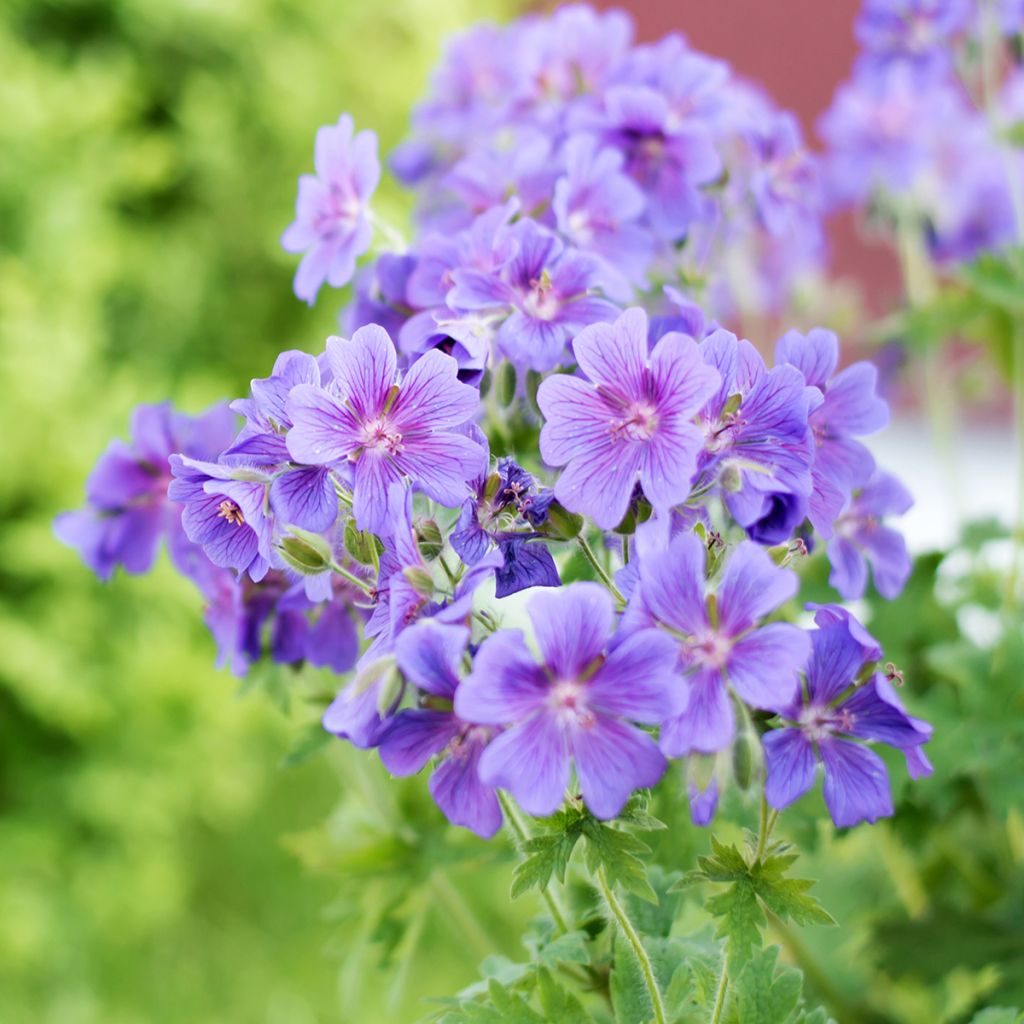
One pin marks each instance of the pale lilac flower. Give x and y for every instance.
(331, 223)
(727, 649)
(575, 707)
(389, 428)
(630, 419)
(430, 656)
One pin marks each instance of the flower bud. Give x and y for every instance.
(429, 539)
(747, 759)
(307, 553)
(505, 384)
(421, 580)
(362, 545)
(562, 524)
(731, 480)
(533, 379)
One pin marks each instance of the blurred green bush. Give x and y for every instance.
(150, 156)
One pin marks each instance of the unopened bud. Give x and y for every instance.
(731, 479)
(307, 553)
(505, 384)
(561, 524)
(421, 580)
(747, 759)
(429, 539)
(533, 379)
(362, 545)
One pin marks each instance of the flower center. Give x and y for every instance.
(230, 511)
(568, 699)
(819, 722)
(639, 423)
(381, 435)
(541, 302)
(711, 651)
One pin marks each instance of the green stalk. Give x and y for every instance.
(522, 833)
(723, 984)
(365, 587)
(631, 936)
(588, 553)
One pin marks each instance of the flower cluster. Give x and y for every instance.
(356, 517)
(923, 139)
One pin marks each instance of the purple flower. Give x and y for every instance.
(389, 430)
(225, 513)
(239, 612)
(851, 408)
(785, 182)
(574, 707)
(757, 445)
(399, 601)
(505, 505)
(331, 225)
(127, 509)
(302, 496)
(598, 208)
(380, 294)
(631, 418)
(669, 156)
(721, 649)
(827, 716)
(430, 655)
(544, 291)
(861, 539)
(916, 31)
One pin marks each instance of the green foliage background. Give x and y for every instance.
(150, 155)
(161, 857)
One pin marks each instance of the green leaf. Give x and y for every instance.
(619, 854)
(761, 994)
(998, 1015)
(570, 948)
(559, 1004)
(548, 852)
(503, 1007)
(741, 918)
(788, 897)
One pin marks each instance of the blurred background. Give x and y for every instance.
(163, 853)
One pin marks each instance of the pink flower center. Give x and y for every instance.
(711, 651)
(568, 700)
(381, 435)
(818, 722)
(639, 423)
(541, 302)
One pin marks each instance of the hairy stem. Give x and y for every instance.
(588, 553)
(723, 984)
(522, 833)
(350, 577)
(631, 936)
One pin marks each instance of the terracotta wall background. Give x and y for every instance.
(799, 50)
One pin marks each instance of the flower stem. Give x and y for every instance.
(764, 831)
(522, 833)
(723, 984)
(352, 578)
(588, 553)
(631, 936)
